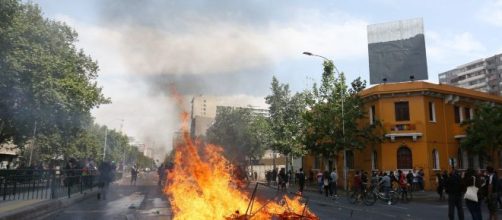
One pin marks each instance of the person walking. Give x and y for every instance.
(491, 197)
(474, 207)
(134, 174)
(326, 180)
(301, 181)
(334, 179)
(105, 177)
(440, 185)
(319, 181)
(454, 189)
(283, 180)
(385, 182)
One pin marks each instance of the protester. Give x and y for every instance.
(105, 177)
(474, 207)
(319, 181)
(301, 180)
(326, 180)
(454, 188)
(283, 179)
(420, 179)
(403, 184)
(134, 174)
(385, 182)
(334, 179)
(160, 172)
(440, 185)
(491, 197)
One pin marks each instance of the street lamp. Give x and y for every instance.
(343, 115)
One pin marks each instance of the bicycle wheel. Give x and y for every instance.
(352, 196)
(370, 198)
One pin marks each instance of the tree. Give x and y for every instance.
(484, 131)
(44, 79)
(240, 132)
(333, 121)
(286, 120)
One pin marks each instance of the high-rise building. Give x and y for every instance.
(483, 75)
(203, 114)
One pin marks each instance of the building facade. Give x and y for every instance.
(483, 75)
(422, 128)
(202, 115)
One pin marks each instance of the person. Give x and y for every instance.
(134, 174)
(420, 179)
(403, 183)
(326, 179)
(454, 189)
(357, 182)
(474, 207)
(301, 180)
(409, 178)
(105, 177)
(334, 179)
(319, 181)
(440, 188)
(491, 197)
(385, 182)
(160, 172)
(283, 179)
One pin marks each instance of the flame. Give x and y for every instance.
(200, 186)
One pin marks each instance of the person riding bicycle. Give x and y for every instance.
(386, 184)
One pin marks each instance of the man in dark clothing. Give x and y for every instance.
(491, 198)
(454, 188)
(105, 177)
(301, 180)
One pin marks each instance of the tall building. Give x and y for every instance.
(203, 114)
(483, 75)
(422, 129)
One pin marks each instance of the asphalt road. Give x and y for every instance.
(143, 201)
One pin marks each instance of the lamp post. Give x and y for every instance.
(343, 115)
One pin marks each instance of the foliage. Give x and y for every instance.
(240, 132)
(332, 123)
(44, 79)
(286, 120)
(484, 130)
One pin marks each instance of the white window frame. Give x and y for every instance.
(433, 111)
(461, 112)
(435, 160)
(371, 114)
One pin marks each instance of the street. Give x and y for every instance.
(146, 202)
(143, 201)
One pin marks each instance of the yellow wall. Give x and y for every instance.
(438, 135)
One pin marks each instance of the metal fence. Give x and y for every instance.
(45, 184)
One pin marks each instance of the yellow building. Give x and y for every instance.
(422, 126)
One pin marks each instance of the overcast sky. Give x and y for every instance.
(233, 48)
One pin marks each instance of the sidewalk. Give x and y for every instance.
(38, 209)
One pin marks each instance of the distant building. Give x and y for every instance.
(203, 114)
(8, 156)
(482, 75)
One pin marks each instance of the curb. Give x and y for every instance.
(44, 209)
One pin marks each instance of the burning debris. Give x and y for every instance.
(200, 187)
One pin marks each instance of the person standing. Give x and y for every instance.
(334, 179)
(454, 189)
(386, 184)
(474, 207)
(440, 188)
(134, 174)
(105, 177)
(326, 180)
(491, 197)
(301, 180)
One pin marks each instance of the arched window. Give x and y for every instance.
(374, 160)
(435, 159)
(404, 158)
(350, 159)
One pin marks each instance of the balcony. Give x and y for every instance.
(403, 127)
(403, 130)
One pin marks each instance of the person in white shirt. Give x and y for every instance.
(334, 178)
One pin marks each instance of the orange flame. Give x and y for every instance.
(200, 186)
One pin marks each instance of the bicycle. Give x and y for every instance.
(375, 195)
(404, 194)
(357, 196)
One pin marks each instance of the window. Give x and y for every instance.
(402, 111)
(435, 159)
(456, 111)
(372, 114)
(404, 158)
(374, 160)
(432, 112)
(349, 159)
(467, 113)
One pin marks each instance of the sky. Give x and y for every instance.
(231, 49)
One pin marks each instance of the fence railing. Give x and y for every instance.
(45, 184)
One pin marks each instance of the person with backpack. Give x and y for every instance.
(474, 207)
(455, 188)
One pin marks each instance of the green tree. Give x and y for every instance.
(286, 120)
(240, 132)
(333, 121)
(44, 79)
(484, 131)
